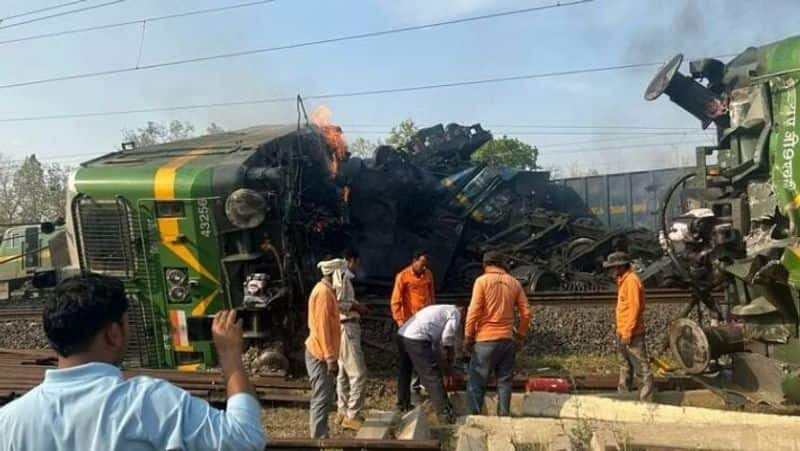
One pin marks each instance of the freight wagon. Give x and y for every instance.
(631, 199)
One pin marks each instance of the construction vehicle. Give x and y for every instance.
(742, 235)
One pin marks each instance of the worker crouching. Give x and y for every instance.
(489, 334)
(632, 351)
(422, 339)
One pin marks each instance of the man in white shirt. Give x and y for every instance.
(422, 338)
(352, 378)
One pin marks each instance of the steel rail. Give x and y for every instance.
(345, 443)
(25, 313)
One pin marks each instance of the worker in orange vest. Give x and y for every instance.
(631, 348)
(413, 290)
(489, 333)
(322, 348)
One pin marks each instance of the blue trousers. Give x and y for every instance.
(496, 356)
(323, 387)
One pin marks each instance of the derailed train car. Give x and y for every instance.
(230, 220)
(239, 219)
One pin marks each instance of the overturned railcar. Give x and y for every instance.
(234, 220)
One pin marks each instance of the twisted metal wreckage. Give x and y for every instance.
(429, 194)
(239, 220)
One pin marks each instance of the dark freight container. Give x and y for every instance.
(631, 199)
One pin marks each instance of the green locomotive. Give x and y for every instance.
(24, 252)
(233, 220)
(746, 240)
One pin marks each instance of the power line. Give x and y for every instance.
(610, 127)
(626, 147)
(548, 146)
(292, 46)
(41, 10)
(550, 133)
(135, 22)
(568, 152)
(64, 13)
(325, 96)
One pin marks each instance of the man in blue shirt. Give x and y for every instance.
(85, 404)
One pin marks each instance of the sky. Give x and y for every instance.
(594, 34)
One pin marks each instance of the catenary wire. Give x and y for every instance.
(288, 46)
(41, 10)
(61, 14)
(135, 21)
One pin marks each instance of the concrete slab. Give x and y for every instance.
(560, 443)
(553, 405)
(459, 401)
(413, 426)
(690, 398)
(603, 440)
(377, 424)
(554, 434)
(471, 439)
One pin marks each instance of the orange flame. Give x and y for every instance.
(321, 117)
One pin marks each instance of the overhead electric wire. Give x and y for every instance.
(547, 146)
(290, 46)
(625, 147)
(541, 151)
(136, 21)
(611, 127)
(61, 14)
(551, 133)
(328, 95)
(41, 10)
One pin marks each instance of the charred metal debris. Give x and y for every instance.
(429, 194)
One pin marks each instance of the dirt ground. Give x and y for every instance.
(283, 422)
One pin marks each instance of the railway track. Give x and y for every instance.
(546, 298)
(20, 314)
(21, 370)
(576, 298)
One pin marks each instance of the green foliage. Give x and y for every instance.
(402, 133)
(509, 152)
(155, 133)
(31, 191)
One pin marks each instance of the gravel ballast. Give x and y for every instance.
(555, 330)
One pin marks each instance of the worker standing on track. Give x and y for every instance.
(352, 377)
(322, 348)
(413, 290)
(489, 334)
(632, 351)
(422, 339)
(85, 404)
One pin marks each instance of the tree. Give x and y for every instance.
(31, 191)
(214, 129)
(56, 179)
(155, 133)
(9, 202)
(507, 151)
(402, 133)
(363, 148)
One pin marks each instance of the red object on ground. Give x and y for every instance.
(547, 384)
(453, 381)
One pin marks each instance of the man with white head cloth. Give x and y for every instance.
(322, 347)
(352, 377)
